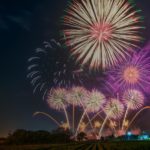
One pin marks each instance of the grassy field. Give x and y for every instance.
(129, 145)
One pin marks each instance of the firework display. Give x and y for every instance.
(101, 38)
(94, 102)
(101, 33)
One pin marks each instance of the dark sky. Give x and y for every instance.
(24, 25)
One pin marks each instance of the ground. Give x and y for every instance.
(118, 145)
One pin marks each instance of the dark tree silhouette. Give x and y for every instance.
(38, 137)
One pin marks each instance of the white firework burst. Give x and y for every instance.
(95, 101)
(101, 33)
(77, 95)
(114, 109)
(56, 99)
(133, 99)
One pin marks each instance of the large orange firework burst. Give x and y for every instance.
(101, 33)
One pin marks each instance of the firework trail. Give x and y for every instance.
(75, 97)
(59, 99)
(101, 33)
(136, 115)
(47, 115)
(51, 66)
(56, 99)
(92, 104)
(113, 109)
(97, 114)
(133, 100)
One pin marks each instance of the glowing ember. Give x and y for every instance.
(97, 124)
(82, 127)
(65, 126)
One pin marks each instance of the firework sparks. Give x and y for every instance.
(95, 101)
(77, 95)
(101, 33)
(114, 109)
(56, 98)
(133, 99)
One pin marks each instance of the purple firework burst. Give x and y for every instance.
(134, 73)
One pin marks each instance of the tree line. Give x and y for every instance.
(21, 136)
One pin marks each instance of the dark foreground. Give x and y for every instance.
(127, 145)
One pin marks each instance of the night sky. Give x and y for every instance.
(24, 25)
